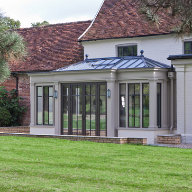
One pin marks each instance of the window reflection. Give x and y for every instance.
(122, 115)
(134, 105)
(145, 105)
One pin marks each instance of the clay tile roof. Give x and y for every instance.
(51, 47)
(122, 18)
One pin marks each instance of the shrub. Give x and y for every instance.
(5, 117)
(11, 102)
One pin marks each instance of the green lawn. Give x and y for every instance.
(37, 164)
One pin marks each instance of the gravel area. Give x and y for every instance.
(185, 146)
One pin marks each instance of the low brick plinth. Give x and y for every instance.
(117, 140)
(169, 139)
(142, 141)
(18, 129)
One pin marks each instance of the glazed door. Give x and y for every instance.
(90, 109)
(84, 109)
(76, 110)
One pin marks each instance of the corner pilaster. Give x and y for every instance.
(112, 104)
(57, 109)
(153, 103)
(32, 100)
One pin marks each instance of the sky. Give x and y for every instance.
(53, 11)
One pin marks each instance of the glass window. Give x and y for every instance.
(127, 51)
(102, 111)
(134, 105)
(39, 105)
(122, 97)
(159, 104)
(145, 107)
(188, 47)
(45, 105)
(135, 108)
(65, 109)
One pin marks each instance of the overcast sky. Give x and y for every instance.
(53, 11)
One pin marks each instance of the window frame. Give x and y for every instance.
(43, 105)
(141, 104)
(128, 86)
(127, 46)
(159, 105)
(190, 50)
(121, 110)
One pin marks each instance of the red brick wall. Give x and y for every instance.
(23, 91)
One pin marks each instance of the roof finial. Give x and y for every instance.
(142, 53)
(86, 56)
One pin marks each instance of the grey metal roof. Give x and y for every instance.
(114, 63)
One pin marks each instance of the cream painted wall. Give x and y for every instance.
(42, 130)
(184, 92)
(155, 47)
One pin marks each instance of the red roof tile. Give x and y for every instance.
(122, 18)
(51, 47)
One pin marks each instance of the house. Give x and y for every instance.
(49, 47)
(117, 90)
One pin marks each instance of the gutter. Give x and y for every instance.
(125, 37)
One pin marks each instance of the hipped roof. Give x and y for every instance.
(117, 63)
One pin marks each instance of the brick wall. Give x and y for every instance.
(169, 139)
(116, 140)
(19, 129)
(23, 91)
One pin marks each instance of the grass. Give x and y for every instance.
(39, 164)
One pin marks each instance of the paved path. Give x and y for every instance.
(186, 146)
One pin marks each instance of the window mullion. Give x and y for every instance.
(141, 105)
(134, 105)
(43, 105)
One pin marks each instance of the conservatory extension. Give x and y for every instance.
(114, 97)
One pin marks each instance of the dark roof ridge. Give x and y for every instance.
(50, 25)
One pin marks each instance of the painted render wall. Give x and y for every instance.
(155, 47)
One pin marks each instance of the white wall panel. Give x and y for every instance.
(155, 47)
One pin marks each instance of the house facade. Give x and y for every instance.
(124, 87)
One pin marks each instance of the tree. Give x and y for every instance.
(37, 24)
(177, 9)
(12, 47)
(8, 23)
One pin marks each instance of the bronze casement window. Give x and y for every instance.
(134, 105)
(122, 105)
(159, 104)
(124, 51)
(188, 47)
(44, 105)
(145, 107)
(136, 111)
